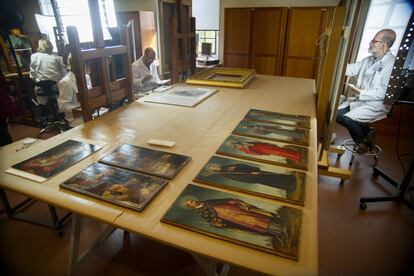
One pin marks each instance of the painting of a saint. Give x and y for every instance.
(278, 118)
(254, 178)
(140, 159)
(115, 185)
(273, 132)
(246, 221)
(254, 149)
(56, 159)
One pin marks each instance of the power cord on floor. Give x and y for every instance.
(410, 192)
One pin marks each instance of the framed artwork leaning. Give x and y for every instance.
(259, 179)
(264, 151)
(181, 95)
(224, 77)
(238, 219)
(53, 161)
(23, 48)
(273, 132)
(115, 185)
(278, 118)
(146, 160)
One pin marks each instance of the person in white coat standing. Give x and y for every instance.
(373, 74)
(144, 71)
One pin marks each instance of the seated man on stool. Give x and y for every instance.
(45, 66)
(373, 74)
(144, 71)
(68, 91)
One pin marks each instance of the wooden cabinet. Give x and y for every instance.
(268, 31)
(237, 38)
(144, 30)
(274, 41)
(304, 27)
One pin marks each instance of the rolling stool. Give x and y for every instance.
(51, 117)
(351, 146)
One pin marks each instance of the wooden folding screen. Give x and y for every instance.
(107, 92)
(183, 44)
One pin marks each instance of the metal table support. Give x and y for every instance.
(74, 258)
(17, 212)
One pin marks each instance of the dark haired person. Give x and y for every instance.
(373, 74)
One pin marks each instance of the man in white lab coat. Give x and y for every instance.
(373, 74)
(144, 72)
(44, 65)
(68, 91)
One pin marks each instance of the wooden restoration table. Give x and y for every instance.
(198, 132)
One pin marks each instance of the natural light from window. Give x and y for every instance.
(76, 13)
(385, 14)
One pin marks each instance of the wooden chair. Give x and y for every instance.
(108, 92)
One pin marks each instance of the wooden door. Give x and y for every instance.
(123, 18)
(267, 40)
(237, 37)
(148, 30)
(305, 25)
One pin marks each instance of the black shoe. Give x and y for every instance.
(362, 148)
(370, 140)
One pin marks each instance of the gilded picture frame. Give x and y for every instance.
(223, 77)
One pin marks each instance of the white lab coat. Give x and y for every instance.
(67, 94)
(373, 78)
(46, 67)
(139, 71)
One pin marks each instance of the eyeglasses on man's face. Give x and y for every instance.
(375, 41)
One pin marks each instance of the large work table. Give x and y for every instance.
(198, 132)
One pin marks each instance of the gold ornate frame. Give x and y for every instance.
(224, 77)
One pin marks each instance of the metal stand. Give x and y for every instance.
(16, 212)
(351, 146)
(61, 126)
(74, 258)
(209, 266)
(401, 189)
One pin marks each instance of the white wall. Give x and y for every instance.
(134, 5)
(206, 14)
(266, 3)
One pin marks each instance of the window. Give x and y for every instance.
(207, 24)
(76, 13)
(385, 14)
(209, 36)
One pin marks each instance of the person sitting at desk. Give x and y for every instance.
(68, 91)
(144, 71)
(373, 74)
(44, 65)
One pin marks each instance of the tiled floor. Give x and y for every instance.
(376, 241)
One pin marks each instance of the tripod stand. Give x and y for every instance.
(402, 187)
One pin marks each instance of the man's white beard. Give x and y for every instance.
(370, 50)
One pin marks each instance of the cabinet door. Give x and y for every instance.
(123, 18)
(305, 25)
(267, 42)
(237, 37)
